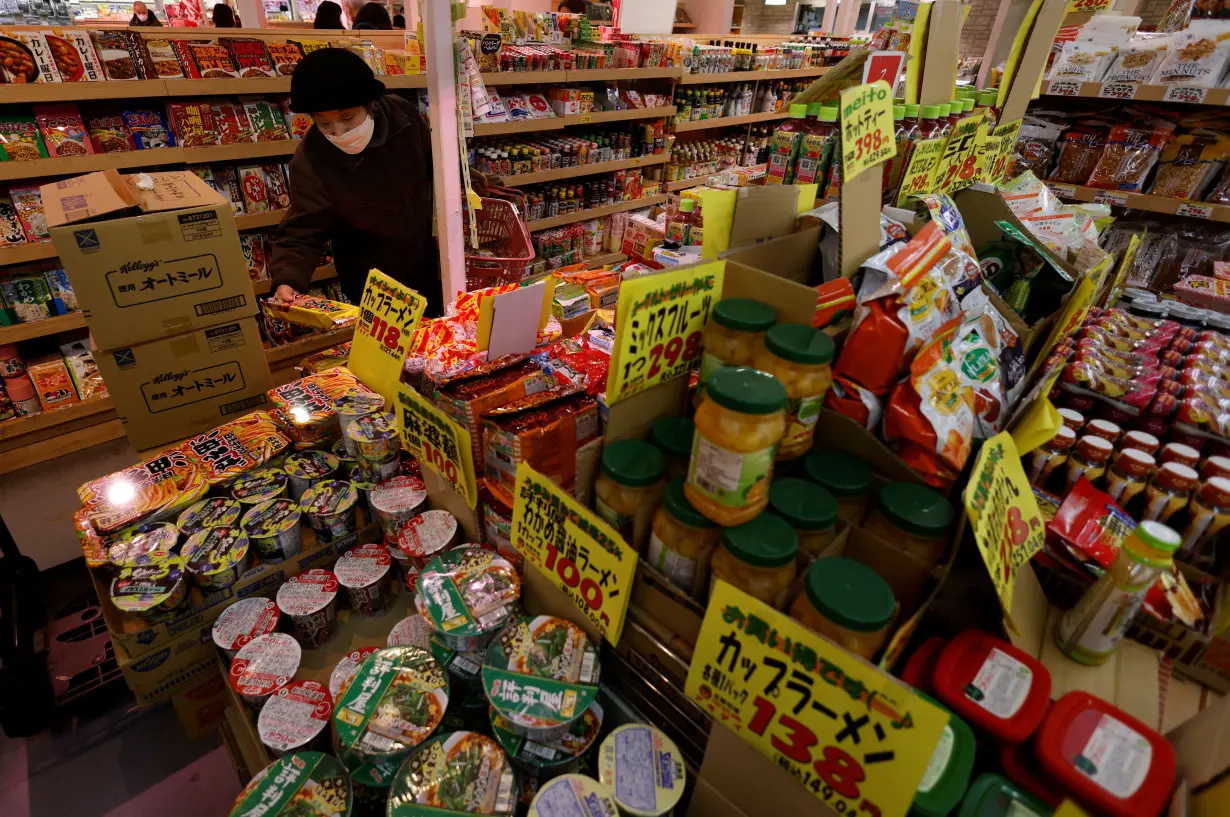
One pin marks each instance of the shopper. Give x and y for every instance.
(142, 16)
(350, 11)
(328, 15)
(572, 6)
(223, 16)
(373, 16)
(399, 21)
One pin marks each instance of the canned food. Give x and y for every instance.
(467, 596)
(295, 717)
(548, 760)
(459, 772)
(208, 513)
(150, 586)
(153, 537)
(350, 407)
(309, 600)
(427, 535)
(330, 508)
(260, 486)
(243, 621)
(215, 557)
(396, 501)
(465, 669)
(364, 572)
(263, 666)
(643, 769)
(573, 794)
(346, 669)
(412, 631)
(273, 530)
(294, 782)
(541, 674)
(306, 468)
(374, 436)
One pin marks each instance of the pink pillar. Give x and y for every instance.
(446, 161)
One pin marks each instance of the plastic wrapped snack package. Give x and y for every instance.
(1081, 61)
(311, 780)
(467, 594)
(1036, 144)
(1136, 64)
(455, 773)
(304, 408)
(316, 313)
(1129, 157)
(1197, 57)
(1189, 163)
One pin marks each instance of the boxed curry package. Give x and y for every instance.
(73, 52)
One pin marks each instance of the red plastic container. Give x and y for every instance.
(1019, 763)
(921, 666)
(993, 685)
(1108, 760)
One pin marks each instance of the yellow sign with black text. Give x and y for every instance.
(866, 128)
(388, 315)
(958, 166)
(920, 172)
(581, 555)
(437, 440)
(857, 738)
(1000, 152)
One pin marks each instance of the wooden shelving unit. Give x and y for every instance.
(82, 91)
(305, 346)
(225, 87)
(725, 121)
(618, 74)
(598, 117)
(522, 179)
(21, 253)
(255, 221)
(1143, 201)
(684, 184)
(75, 165)
(751, 76)
(524, 77)
(596, 212)
(240, 152)
(41, 329)
(321, 274)
(523, 126)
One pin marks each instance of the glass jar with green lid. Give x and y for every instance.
(810, 510)
(673, 436)
(799, 356)
(738, 426)
(628, 488)
(993, 796)
(844, 476)
(846, 602)
(733, 335)
(758, 557)
(947, 776)
(913, 518)
(682, 540)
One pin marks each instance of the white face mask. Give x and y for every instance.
(143, 17)
(354, 140)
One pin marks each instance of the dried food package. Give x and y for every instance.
(62, 294)
(74, 55)
(27, 295)
(1220, 194)
(213, 61)
(1136, 64)
(254, 254)
(1156, 258)
(1081, 61)
(277, 190)
(1189, 163)
(149, 129)
(255, 189)
(1079, 151)
(109, 132)
(297, 123)
(1128, 158)
(285, 57)
(193, 123)
(160, 57)
(228, 186)
(29, 204)
(249, 55)
(10, 225)
(19, 136)
(184, 55)
(1196, 57)
(112, 49)
(267, 121)
(233, 125)
(27, 58)
(63, 131)
(1036, 144)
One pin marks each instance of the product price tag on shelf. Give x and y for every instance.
(586, 118)
(1184, 93)
(1204, 211)
(958, 165)
(437, 440)
(1000, 151)
(576, 550)
(1108, 197)
(918, 176)
(858, 739)
(1117, 90)
(1064, 88)
(1078, 6)
(866, 128)
(388, 315)
(1064, 191)
(658, 324)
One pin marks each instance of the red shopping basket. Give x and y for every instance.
(504, 247)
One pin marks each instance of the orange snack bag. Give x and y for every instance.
(304, 408)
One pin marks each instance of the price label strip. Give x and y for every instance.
(388, 315)
(436, 439)
(919, 177)
(958, 165)
(578, 552)
(1064, 88)
(856, 738)
(1204, 211)
(1000, 149)
(1079, 6)
(1107, 197)
(866, 128)
(1117, 90)
(1180, 93)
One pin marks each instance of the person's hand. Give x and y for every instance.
(285, 294)
(481, 182)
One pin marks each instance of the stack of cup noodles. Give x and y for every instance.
(467, 594)
(412, 631)
(263, 666)
(421, 539)
(315, 780)
(307, 468)
(151, 586)
(351, 407)
(260, 486)
(366, 574)
(396, 501)
(347, 667)
(376, 444)
(309, 603)
(640, 752)
(304, 408)
(208, 513)
(273, 529)
(296, 718)
(216, 557)
(543, 761)
(242, 622)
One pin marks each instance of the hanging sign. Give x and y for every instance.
(388, 315)
(866, 128)
(958, 166)
(437, 440)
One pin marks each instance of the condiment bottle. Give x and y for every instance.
(1178, 452)
(1143, 441)
(1215, 467)
(679, 229)
(929, 126)
(1088, 461)
(1089, 631)
(1050, 455)
(1207, 515)
(816, 151)
(1168, 491)
(1128, 475)
(1072, 418)
(1103, 428)
(898, 132)
(784, 149)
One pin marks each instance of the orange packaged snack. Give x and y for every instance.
(52, 382)
(304, 408)
(1128, 158)
(152, 491)
(237, 447)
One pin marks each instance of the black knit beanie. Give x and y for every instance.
(330, 79)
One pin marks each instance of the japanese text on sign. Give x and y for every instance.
(1000, 151)
(856, 738)
(866, 128)
(958, 166)
(388, 315)
(1078, 6)
(435, 439)
(658, 325)
(917, 179)
(1003, 513)
(576, 550)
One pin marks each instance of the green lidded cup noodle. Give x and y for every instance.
(467, 595)
(541, 674)
(573, 794)
(208, 513)
(465, 669)
(151, 586)
(330, 507)
(273, 529)
(259, 486)
(305, 468)
(301, 783)
(546, 760)
(216, 556)
(153, 537)
(643, 768)
(454, 773)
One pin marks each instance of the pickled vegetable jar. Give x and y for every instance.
(848, 603)
(733, 335)
(798, 356)
(673, 436)
(682, 541)
(758, 557)
(738, 426)
(810, 510)
(629, 487)
(913, 518)
(846, 477)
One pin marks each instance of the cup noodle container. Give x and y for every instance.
(346, 669)
(412, 631)
(243, 621)
(643, 769)
(407, 568)
(351, 407)
(154, 537)
(377, 471)
(296, 718)
(366, 574)
(309, 602)
(215, 557)
(373, 437)
(152, 586)
(443, 760)
(306, 468)
(573, 794)
(427, 535)
(311, 778)
(208, 513)
(396, 501)
(264, 665)
(260, 486)
(330, 509)
(273, 530)
(547, 760)
(467, 595)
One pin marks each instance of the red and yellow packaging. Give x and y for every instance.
(316, 313)
(303, 408)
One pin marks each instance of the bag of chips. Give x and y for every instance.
(1189, 163)
(1197, 57)
(1129, 157)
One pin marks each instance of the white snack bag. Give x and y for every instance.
(1081, 61)
(1137, 63)
(1197, 58)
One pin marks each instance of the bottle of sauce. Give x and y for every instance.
(941, 117)
(1128, 475)
(929, 126)
(954, 113)
(1072, 418)
(1143, 441)
(1044, 460)
(784, 148)
(679, 230)
(1178, 452)
(888, 185)
(698, 227)
(907, 134)
(816, 151)
(1088, 461)
(1207, 515)
(986, 100)
(1169, 491)
(1105, 429)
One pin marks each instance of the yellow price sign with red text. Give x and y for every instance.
(1086, 6)
(866, 128)
(388, 315)
(1000, 152)
(437, 440)
(958, 166)
(920, 172)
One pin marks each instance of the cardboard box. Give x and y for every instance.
(173, 667)
(202, 706)
(148, 263)
(173, 388)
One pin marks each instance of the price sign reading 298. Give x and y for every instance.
(854, 737)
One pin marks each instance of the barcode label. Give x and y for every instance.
(493, 618)
(466, 665)
(503, 798)
(378, 743)
(237, 406)
(538, 750)
(587, 667)
(220, 305)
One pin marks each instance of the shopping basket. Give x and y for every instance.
(504, 247)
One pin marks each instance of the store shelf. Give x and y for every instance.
(598, 117)
(25, 426)
(753, 76)
(523, 126)
(321, 274)
(1142, 93)
(584, 170)
(239, 152)
(727, 121)
(226, 87)
(255, 221)
(1143, 201)
(21, 253)
(608, 74)
(291, 352)
(684, 184)
(524, 77)
(74, 165)
(605, 258)
(73, 91)
(64, 438)
(41, 329)
(404, 81)
(595, 212)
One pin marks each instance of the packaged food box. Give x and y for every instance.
(63, 131)
(255, 190)
(212, 61)
(118, 62)
(193, 123)
(297, 123)
(83, 370)
(233, 125)
(249, 56)
(62, 296)
(73, 53)
(267, 122)
(10, 225)
(149, 129)
(109, 132)
(52, 382)
(277, 188)
(19, 136)
(227, 183)
(254, 254)
(304, 408)
(27, 58)
(160, 57)
(27, 296)
(285, 57)
(29, 205)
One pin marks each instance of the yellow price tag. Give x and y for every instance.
(587, 118)
(658, 324)
(437, 440)
(919, 173)
(1126, 262)
(857, 738)
(1068, 808)
(388, 315)
(1003, 513)
(866, 128)
(1040, 420)
(1086, 6)
(581, 554)
(1073, 315)
(958, 166)
(1001, 145)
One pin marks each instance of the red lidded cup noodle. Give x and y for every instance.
(346, 669)
(296, 717)
(243, 621)
(426, 535)
(309, 600)
(263, 666)
(396, 501)
(365, 573)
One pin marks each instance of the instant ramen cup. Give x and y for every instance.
(208, 513)
(365, 572)
(459, 773)
(547, 760)
(330, 509)
(300, 783)
(377, 471)
(540, 675)
(427, 535)
(632, 757)
(150, 586)
(263, 666)
(296, 717)
(216, 556)
(346, 669)
(412, 631)
(273, 530)
(243, 621)
(467, 595)
(465, 669)
(306, 468)
(260, 486)
(396, 501)
(573, 794)
(351, 407)
(153, 537)
(309, 600)
(374, 436)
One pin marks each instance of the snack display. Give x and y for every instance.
(459, 772)
(215, 556)
(364, 572)
(208, 513)
(308, 468)
(296, 717)
(243, 621)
